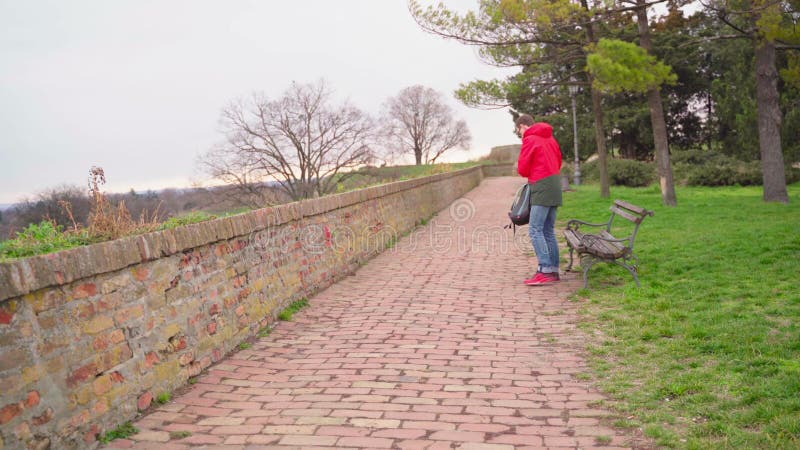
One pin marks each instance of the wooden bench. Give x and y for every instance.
(601, 245)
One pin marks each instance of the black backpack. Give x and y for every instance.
(520, 212)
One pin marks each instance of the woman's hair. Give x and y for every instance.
(524, 119)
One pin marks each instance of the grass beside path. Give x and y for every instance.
(706, 354)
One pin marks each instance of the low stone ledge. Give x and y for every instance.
(23, 276)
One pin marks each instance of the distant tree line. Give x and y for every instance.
(66, 203)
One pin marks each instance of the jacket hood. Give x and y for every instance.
(541, 129)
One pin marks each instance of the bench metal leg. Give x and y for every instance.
(630, 268)
(570, 259)
(630, 263)
(587, 261)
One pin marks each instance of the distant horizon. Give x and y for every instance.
(6, 205)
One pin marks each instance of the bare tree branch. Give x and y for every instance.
(420, 123)
(298, 142)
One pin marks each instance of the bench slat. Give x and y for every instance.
(626, 215)
(573, 238)
(631, 207)
(611, 249)
(598, 247)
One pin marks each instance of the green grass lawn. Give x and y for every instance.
(706, 354)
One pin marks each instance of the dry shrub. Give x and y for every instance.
(441, 168)
(109, 221)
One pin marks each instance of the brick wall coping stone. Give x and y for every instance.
(23, 276)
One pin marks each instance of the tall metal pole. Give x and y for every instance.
(577, 180)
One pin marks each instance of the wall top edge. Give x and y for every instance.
(22, 276)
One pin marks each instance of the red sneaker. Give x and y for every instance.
(542, 278)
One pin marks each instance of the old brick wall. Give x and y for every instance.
(90, 335)
(501, 170)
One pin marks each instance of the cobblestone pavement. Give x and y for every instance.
(434, 344)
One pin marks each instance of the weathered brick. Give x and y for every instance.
(151, 436)
(289, 429)
(177, 343)
(399, 433)
(100, 407)
(6, 315)
(101, 342)
(12, 358)
(463, 436)
(308, 440)
(44, 300)
(114, 356)
(117, 377)
(97, 324)
(375, 423)
(102, 384)
(9, 412)
(43, 418)
(186, 358)
(32, 400)
(86, 310)
(23, 431)
(140, 273)
(82, 374)
(150, 359)
(124, 315)
(237, 429)
(144, 400)
(80, 418)
(84, 290)
(368, 442)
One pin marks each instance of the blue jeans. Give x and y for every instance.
(543, 237)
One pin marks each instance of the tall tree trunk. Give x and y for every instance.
(600, 139)
(418, 156)
(597, 112)
(769, 124)
(657, 117)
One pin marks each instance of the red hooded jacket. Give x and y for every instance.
(540, 155)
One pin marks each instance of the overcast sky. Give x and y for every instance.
(136, 86)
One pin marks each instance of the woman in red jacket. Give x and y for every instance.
(540, 162)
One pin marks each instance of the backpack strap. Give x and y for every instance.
(511, 225)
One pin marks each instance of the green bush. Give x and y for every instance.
(722, 173)
(45, 237)
(792, 175)
(621, 172)
(710, 168)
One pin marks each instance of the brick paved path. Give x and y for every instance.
(434, 344)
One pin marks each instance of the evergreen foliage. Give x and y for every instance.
(620, 66)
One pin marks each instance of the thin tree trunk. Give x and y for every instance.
(597, 113)
(600, 139)
(662, 148)
(769, 124)
(657, 117)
